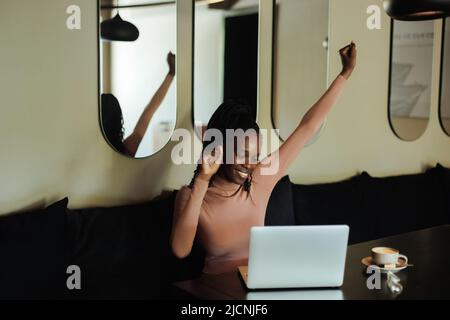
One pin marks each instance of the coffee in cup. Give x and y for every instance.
(387, 257)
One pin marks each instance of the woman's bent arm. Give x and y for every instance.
(188, 204)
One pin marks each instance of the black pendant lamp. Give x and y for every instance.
(413, 10)
(117, 29)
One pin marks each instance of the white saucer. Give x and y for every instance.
(401, 264)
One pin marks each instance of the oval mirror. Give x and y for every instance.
(137, 74)
(410, 77)
(444, 112)
(300, 61)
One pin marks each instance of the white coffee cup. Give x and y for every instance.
(386, 256)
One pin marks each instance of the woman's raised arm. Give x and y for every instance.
(311, 121)
(133, 141)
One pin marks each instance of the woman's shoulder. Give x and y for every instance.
(183, 194)
(185, 189)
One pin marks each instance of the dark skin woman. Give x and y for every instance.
(226, 198)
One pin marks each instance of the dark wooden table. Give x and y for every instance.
(429, 277)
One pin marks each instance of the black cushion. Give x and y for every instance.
(444, 174)
(376, 207)
(447, 187)
(405, 203)
(32, 254)
(280, 209)
(124, 252)
(334, 203)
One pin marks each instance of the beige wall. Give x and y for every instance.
(52, 145)
(357, 135)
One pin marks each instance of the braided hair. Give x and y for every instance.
(232, 114)
(112, 121)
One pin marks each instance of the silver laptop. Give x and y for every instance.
(296, 257)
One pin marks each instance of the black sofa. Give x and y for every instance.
(124, 253)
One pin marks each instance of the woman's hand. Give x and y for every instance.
(171, 63)
(210, 164)
(348, 58)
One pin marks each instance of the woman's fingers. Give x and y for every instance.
(211, 161)
(348, 59)
(215, 157)
(219, 153)
(347, 48)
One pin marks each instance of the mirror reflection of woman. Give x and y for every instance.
(224, 200)
(112, 118)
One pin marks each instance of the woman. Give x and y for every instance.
(224, 201)
(112, 119)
